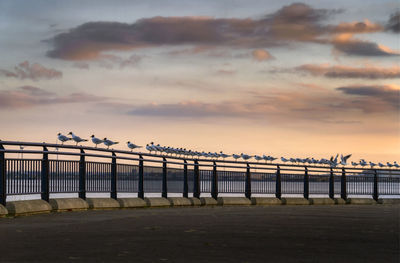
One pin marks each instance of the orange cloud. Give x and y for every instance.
(35, 71)
(261, 55)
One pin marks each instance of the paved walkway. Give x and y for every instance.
(206, 234)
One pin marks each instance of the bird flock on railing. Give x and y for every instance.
(180, 152)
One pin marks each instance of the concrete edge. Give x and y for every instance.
(233, 201)
(26, 207)
(180, 201)
(132, 202)
(361, 201)
(195, 201)
(157, 201)
(388, 201)
(68, 204)
(208, 201)
(103, 203)
(295, 201)
(322, 201)
(3, 211)
(266, 201)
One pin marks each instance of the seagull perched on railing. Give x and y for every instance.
(354, 164)
(108, 143)
(258, 158)
(343, 159)
(63, 138)
(235, 156)
(77, 139)
(95, 140)
(132, 145)
(245, 156)
(395, 164)
(283, 159)
(381, 165)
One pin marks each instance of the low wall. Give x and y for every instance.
(17, 208)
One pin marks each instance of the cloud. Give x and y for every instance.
(298, 22)
(350, 72)
(35, 71)
(358, 27)
(283, 106)
(29, 96)
(261, 55)
(394, 22)
(387, 94)
(81, 65)
(345, 43)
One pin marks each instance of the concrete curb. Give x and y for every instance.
(322, 201)
(361, 201)
(3, 211)
(233, 201)
(157, 202)
(208, 201)
(131, 202)
(266, 201)
(340, 201)
(102, 203)
(195, 201)
(28, 207)
(389, 201)
(68, 204)
(295, 201)
(179, 201)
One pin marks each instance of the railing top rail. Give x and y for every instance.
(227, 163)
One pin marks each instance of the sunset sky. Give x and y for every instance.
(282, 78)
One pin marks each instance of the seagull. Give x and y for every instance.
(283, 159)
(396, 164)
(245, 156)
(381, 165)
(108, 143)
(258, 158)
(389, 165)
(96, 140)
(363, 162)
(77, 139)
(235, 156)
(343, 159)
(133, 146)
(63, 138)
(372, 164)
(354, 164)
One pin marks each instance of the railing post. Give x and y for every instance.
(331, 185)
(164, 179)
(343, 190)
(114, 177)
(306, 193)
(185, 180)
(375, 194)
(45, 176)
(214, 184)
(82, 176)
(278, 188)
(247, 191)
(3, 181)
(196, 180)
(141, 177)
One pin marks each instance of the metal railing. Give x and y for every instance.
(116, 171)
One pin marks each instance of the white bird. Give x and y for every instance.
(381, 165)
(258, 158)
(245, 156)
(76, 138)
(223, 155)
(283, 159)
(389, 165)
(108, 143)
(95, 140)
(354, 164)
(363, 162)
(372, 164)
(63, 138)
(235, 156)
(396, 164)
(132, 145)
(343, 159)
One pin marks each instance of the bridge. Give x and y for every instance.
(29, 168)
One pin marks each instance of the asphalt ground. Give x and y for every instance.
(343, 233)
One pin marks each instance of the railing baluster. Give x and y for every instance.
(45, 175)
(3, 181)
(375, 194)
(82, 176)
(164, 179)
(343, 189)
(114, 176)
(331, 185)
(196, 180)
(278, 186)
(214, 184)
(306, 192)
(185, 180)
(247, 190)
(140, 182)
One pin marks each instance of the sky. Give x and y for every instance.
(281, 78)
